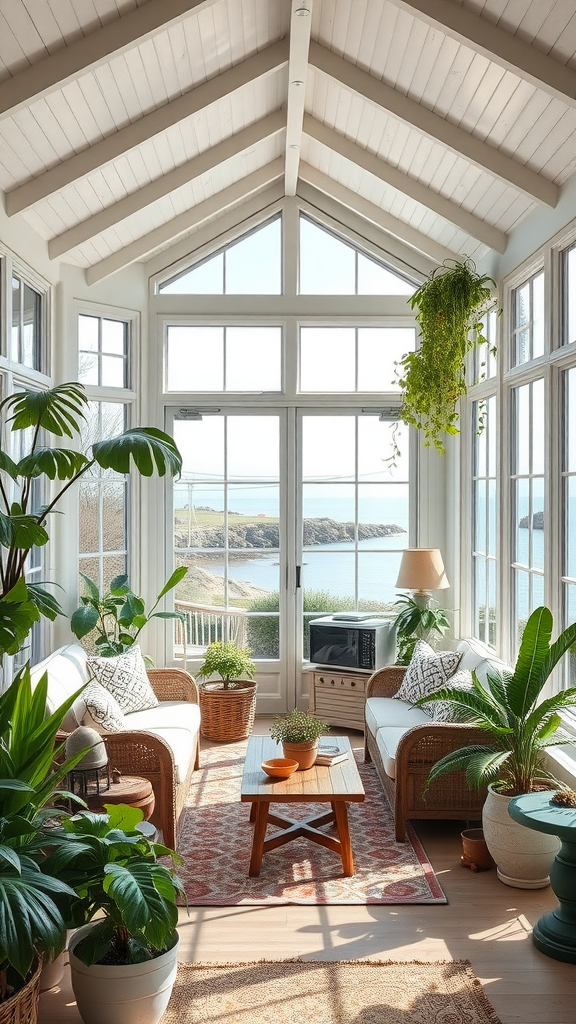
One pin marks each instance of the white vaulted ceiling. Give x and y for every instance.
(125, 124)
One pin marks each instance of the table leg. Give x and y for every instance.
(253, 811)
(341, 815)
(555, 933)
(262, 808)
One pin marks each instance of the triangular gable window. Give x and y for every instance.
(330, 266)
(251, 265)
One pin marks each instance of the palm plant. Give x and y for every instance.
(31, 772)
(58, 411)
(520, 726)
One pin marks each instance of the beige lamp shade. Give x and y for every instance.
(422, 569)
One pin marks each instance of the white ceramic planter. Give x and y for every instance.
(523, 857)
(53, 969)
(131, 994)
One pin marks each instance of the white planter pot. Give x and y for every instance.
(131, 994)
(523, 857)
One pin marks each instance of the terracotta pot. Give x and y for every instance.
(304, 753)
(475, 853)
(523, 857)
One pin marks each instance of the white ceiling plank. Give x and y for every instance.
(392, 225)
(425, 120)
(409, 186)
(509, 51)
(261, 64)
(166, 183)
(172, 229)
(88, 52)
(300, 25)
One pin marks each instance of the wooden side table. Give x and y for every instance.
(128, 790)
(555, 933)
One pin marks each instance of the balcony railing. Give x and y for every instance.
(204, 623)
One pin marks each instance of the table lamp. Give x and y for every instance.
(422, 570)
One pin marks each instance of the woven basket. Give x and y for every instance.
(22, 1008)
(227, 714)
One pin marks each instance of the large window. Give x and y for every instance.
(26, 339)
(204, 358)
(351, 359)
(569, 513)
(528, 522)
(484, 512)
(528, 313)
(102, 351)
(102, 501)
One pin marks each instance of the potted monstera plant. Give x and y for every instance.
(227, 706)
(520, 726)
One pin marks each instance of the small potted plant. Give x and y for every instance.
(228, 707)
(298, 732)
(519, 727)
(123, 964)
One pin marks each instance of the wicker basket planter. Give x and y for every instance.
(22, 1007)
(227, 714)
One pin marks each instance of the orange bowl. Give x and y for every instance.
(279, 767)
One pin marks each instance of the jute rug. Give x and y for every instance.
(337, 992)
(216, 839)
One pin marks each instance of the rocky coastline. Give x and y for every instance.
(265, 534)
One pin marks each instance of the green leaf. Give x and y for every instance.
(94, 946)
(58, 410)
(528, 680)
(55, 463)
(119, 586)
(149, 448)
(21, 531)
(174, 580)
(7, 465)
(91, 587)
(45, 602)
(83, 621)
(11, 857)
(17, 616)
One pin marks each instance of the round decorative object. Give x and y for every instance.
(279, 767)
(523, 858)
(122, 993)
(129, 790)
(229, 714)
(304, 753)
(83, 737)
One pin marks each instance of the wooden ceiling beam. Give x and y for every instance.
(497, 163)
(369, 211)
(220, 201)
(263, 63)
(68, 63)
(300, 25)
(166, 183)
(499, 46)
(420, 193)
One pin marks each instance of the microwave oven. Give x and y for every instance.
(352, 641)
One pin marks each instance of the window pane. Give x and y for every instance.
(379, 349)
(538, 316)
(198, 515)
(201, 443)
(522, 305)
(332, 575)
(254, 264)
(113, 372)
(376, 439)
(205, 279)
(377, 575)
(113, 512)
(522, 429)
(30, 339)
(374, 279)
(88, 332)
(538, 426)
(327, 359)
(327, 265)
(88, 368)
(253, 359)
(253, 516)
(114, 337)
(195, 358)
(570, 296)
(333, 502)
(89, 514)
(384, 515)
(253, 447)
(335, 460)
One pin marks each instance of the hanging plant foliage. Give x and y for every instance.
(450, 305)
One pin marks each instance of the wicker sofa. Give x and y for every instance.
(403, 742)
(161, 744)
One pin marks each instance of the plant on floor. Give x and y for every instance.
(231, 662)
(297, 727)
(520, 725)
(32, 770)
(58, 411)
(417, 620)
(118, 617)
(113, 868)
(450, 306)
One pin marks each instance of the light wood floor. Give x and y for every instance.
(485, 922)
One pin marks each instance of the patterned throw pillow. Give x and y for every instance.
(428, 671)
(98, 709)
(124, 676)
(442, 710)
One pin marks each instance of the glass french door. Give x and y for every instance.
(282, 516)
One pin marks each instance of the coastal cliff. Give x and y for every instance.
(263, 533)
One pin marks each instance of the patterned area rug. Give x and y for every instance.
(337, 992)
(216, 839)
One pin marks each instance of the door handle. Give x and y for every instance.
(298, 577)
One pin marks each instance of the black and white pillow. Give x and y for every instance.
(98, 709)
(443, 710)
(124, 676)
(428, 671)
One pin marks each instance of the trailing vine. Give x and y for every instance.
(450, 305)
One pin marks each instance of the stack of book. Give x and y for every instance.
(329, 754)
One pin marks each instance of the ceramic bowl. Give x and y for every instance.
(279, 767)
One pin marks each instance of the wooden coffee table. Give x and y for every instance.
(336, 786)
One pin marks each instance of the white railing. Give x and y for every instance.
(204, 623)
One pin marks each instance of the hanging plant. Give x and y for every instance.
(450, 305)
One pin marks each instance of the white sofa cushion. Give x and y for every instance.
(384, 711)
(177, 723)
(479, 658)
(67, 672)
(428, 671)
(98, 709)
(387, 740)
(124, 676)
